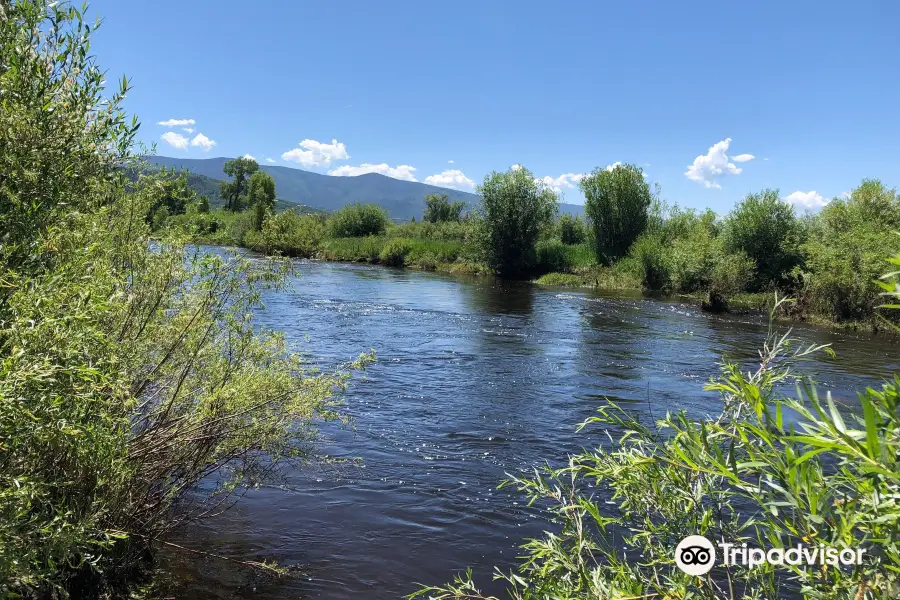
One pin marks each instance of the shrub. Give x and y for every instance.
(552, 256)
(394, 252)
(160, 216)
(238, 226)
(358, 220)
(55, 116)
(572, 230)
(731, 274)
(616, 204)
(766, 230)
(649, 255)
(839, 274)
(289, 234)
(691, 261)
(130, 372)
(843, 253)
(514, 208)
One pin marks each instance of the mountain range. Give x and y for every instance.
(401, 199)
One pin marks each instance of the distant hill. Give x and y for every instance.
(402, 199)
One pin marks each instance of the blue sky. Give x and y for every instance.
(809, 90)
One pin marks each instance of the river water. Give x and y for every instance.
(475, 378)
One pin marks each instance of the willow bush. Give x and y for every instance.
(617, 205)
(766, 229)
(136, 393)
(514, 210)
(358, 220)
(772, 470)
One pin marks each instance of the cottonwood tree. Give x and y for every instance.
(233, 191)
(261, 196)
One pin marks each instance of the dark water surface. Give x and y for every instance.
(475, 378)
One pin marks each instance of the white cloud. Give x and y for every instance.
(250, 156)
(270, 160)
(311, 153)
(845, 195)
(743, 158)
(203, 142)
(451, 161)
(712, 165)
(809, 200)
(564, 181)
(516, 167)
(451, 178)
(404, 172)
(177, 123)
(176, 140)
(188, 129)
(618, 163)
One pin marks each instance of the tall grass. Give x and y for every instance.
(392, 251)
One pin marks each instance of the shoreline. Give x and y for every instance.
(757, 303)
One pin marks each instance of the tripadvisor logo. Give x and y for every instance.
(696, 555)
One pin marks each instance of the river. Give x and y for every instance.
(475, 378)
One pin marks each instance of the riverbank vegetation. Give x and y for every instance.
(629, 239)
(136, 392)
(772, 472)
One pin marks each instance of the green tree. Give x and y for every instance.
(234, 191)
(261, 196)
(169, 190)
(439, 209)
(203, 205)
(514, 209)
(765, 229)
(842, 254)
(617, 202)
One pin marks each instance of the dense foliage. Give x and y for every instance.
(131, 372)
(617, 202)
(439, 209)
(767, 231)
(843, 252)
(572, 230)
(358, 220)
(261, 197)
(514, 209)
(234, 192)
